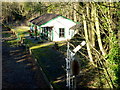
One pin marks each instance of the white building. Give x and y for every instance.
(53, 27)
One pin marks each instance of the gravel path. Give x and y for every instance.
(19, 69)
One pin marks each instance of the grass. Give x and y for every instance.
(47, 44)
(43, 45)
(12, 43)
(21, 30)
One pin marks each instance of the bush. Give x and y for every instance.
(114, 61)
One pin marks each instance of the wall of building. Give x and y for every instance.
(60, 22)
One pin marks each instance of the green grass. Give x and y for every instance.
(21, 30)
(42, 45)
(12, 42)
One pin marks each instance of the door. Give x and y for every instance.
(50, 33)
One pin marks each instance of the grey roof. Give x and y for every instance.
(43, 19)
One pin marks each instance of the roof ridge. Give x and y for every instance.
(44, 18)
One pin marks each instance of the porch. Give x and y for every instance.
(46, 33)
(40, 34)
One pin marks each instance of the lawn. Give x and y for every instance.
(22, 30)
(22, 33)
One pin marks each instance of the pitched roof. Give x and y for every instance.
(43, 19)
(77, 26)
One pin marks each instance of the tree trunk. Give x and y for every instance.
(87, 40)
(75, 16)
(92, 31)
(109, 20)
(98, 33)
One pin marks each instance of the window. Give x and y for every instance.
(61, 32)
